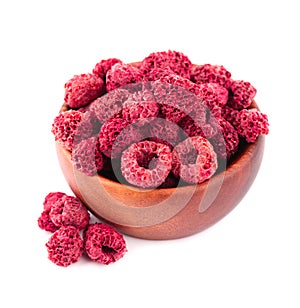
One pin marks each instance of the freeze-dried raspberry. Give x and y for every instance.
(165, 131)
(140, 95)
(156, 73)
(172, 113)
(65, 127)
(194, 160)
(241, 94)
(139, 112)
(121, 74)
(51, 198)
(214, 96)
(83, 89)
(210, 73)
(226, 142)
(103, 244)
(65, 246)
(69, 211)
(174, 60)
(146, 164)
(190, 128)
(251, 123)
(104, 66)
(230, 115)
(108, 105)
(45, 222)
(179, 81)
(86, 156)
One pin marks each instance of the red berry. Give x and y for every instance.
(104, 66)
(65, 246)
(146, 164)
(104, 244)
(45, 222)
(51, 198)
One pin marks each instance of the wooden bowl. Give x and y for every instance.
(166, 213)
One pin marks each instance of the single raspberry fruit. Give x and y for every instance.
(45, 222)
(86, 156)
(230, 115)
(121, 74)
(69, 211)
(179, 81)
(109, 105)
(241, 94)
(146, 164)
(83, 89)
(104, 66)
(226, 141)
(210, 73)
(174, 60)
(250, 123)
(65, 127)
(65, 246)
(194, 160)
(103, 244)
(51, 198)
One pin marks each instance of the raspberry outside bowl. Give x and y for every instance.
(166, 213)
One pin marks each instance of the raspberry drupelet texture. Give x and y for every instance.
(226, 141)
(109, 105)
(51, 198)
(69, 211)
(250, 123)
(65, 128)
(194, 160)
(156, 73)
(174, 60)
(45, 222)
(65, 246)
(230, 115)
(210, 73)
(86, 156)
(104, 66)
(83, 89)
(146, 164)
(189, 127)
(241, 94)
(103, 244)
(121, 74)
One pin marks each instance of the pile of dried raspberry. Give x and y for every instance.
(120, 110)
(65, 216)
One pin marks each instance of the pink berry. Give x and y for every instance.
(69, 211)
(190, 127)
(156, 73)
(86, 156)
(121, 74)
(241, 94)
(65, 246)
(210, 73)
(250, 123)
(104, 66)
(194, 160)
(229, 114)
(83, 89)
(65, 128)
(104, 244)
(51, 198)
(146, 164)
(45, 222)
(176, 61)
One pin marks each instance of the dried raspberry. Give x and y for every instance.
(139, 112)
(165, 131)
(103, 243)
(104, 66)
(146, 164)
(86, 156)
(210, 73)
(83, 89)
(65, 246)
(65, 127)
(226, 142)
(251, 123)
(51, 198)
(176, 61)
(156, 73)
(110, 104)
(122, 74)
(241, 94)
(45, 223)
(190, 127)
(214, 96)
(230, 115)
(69, 211)
(194, 160)
(179, 81)
(143, 94)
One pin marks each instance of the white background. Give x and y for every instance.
(249, 259)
